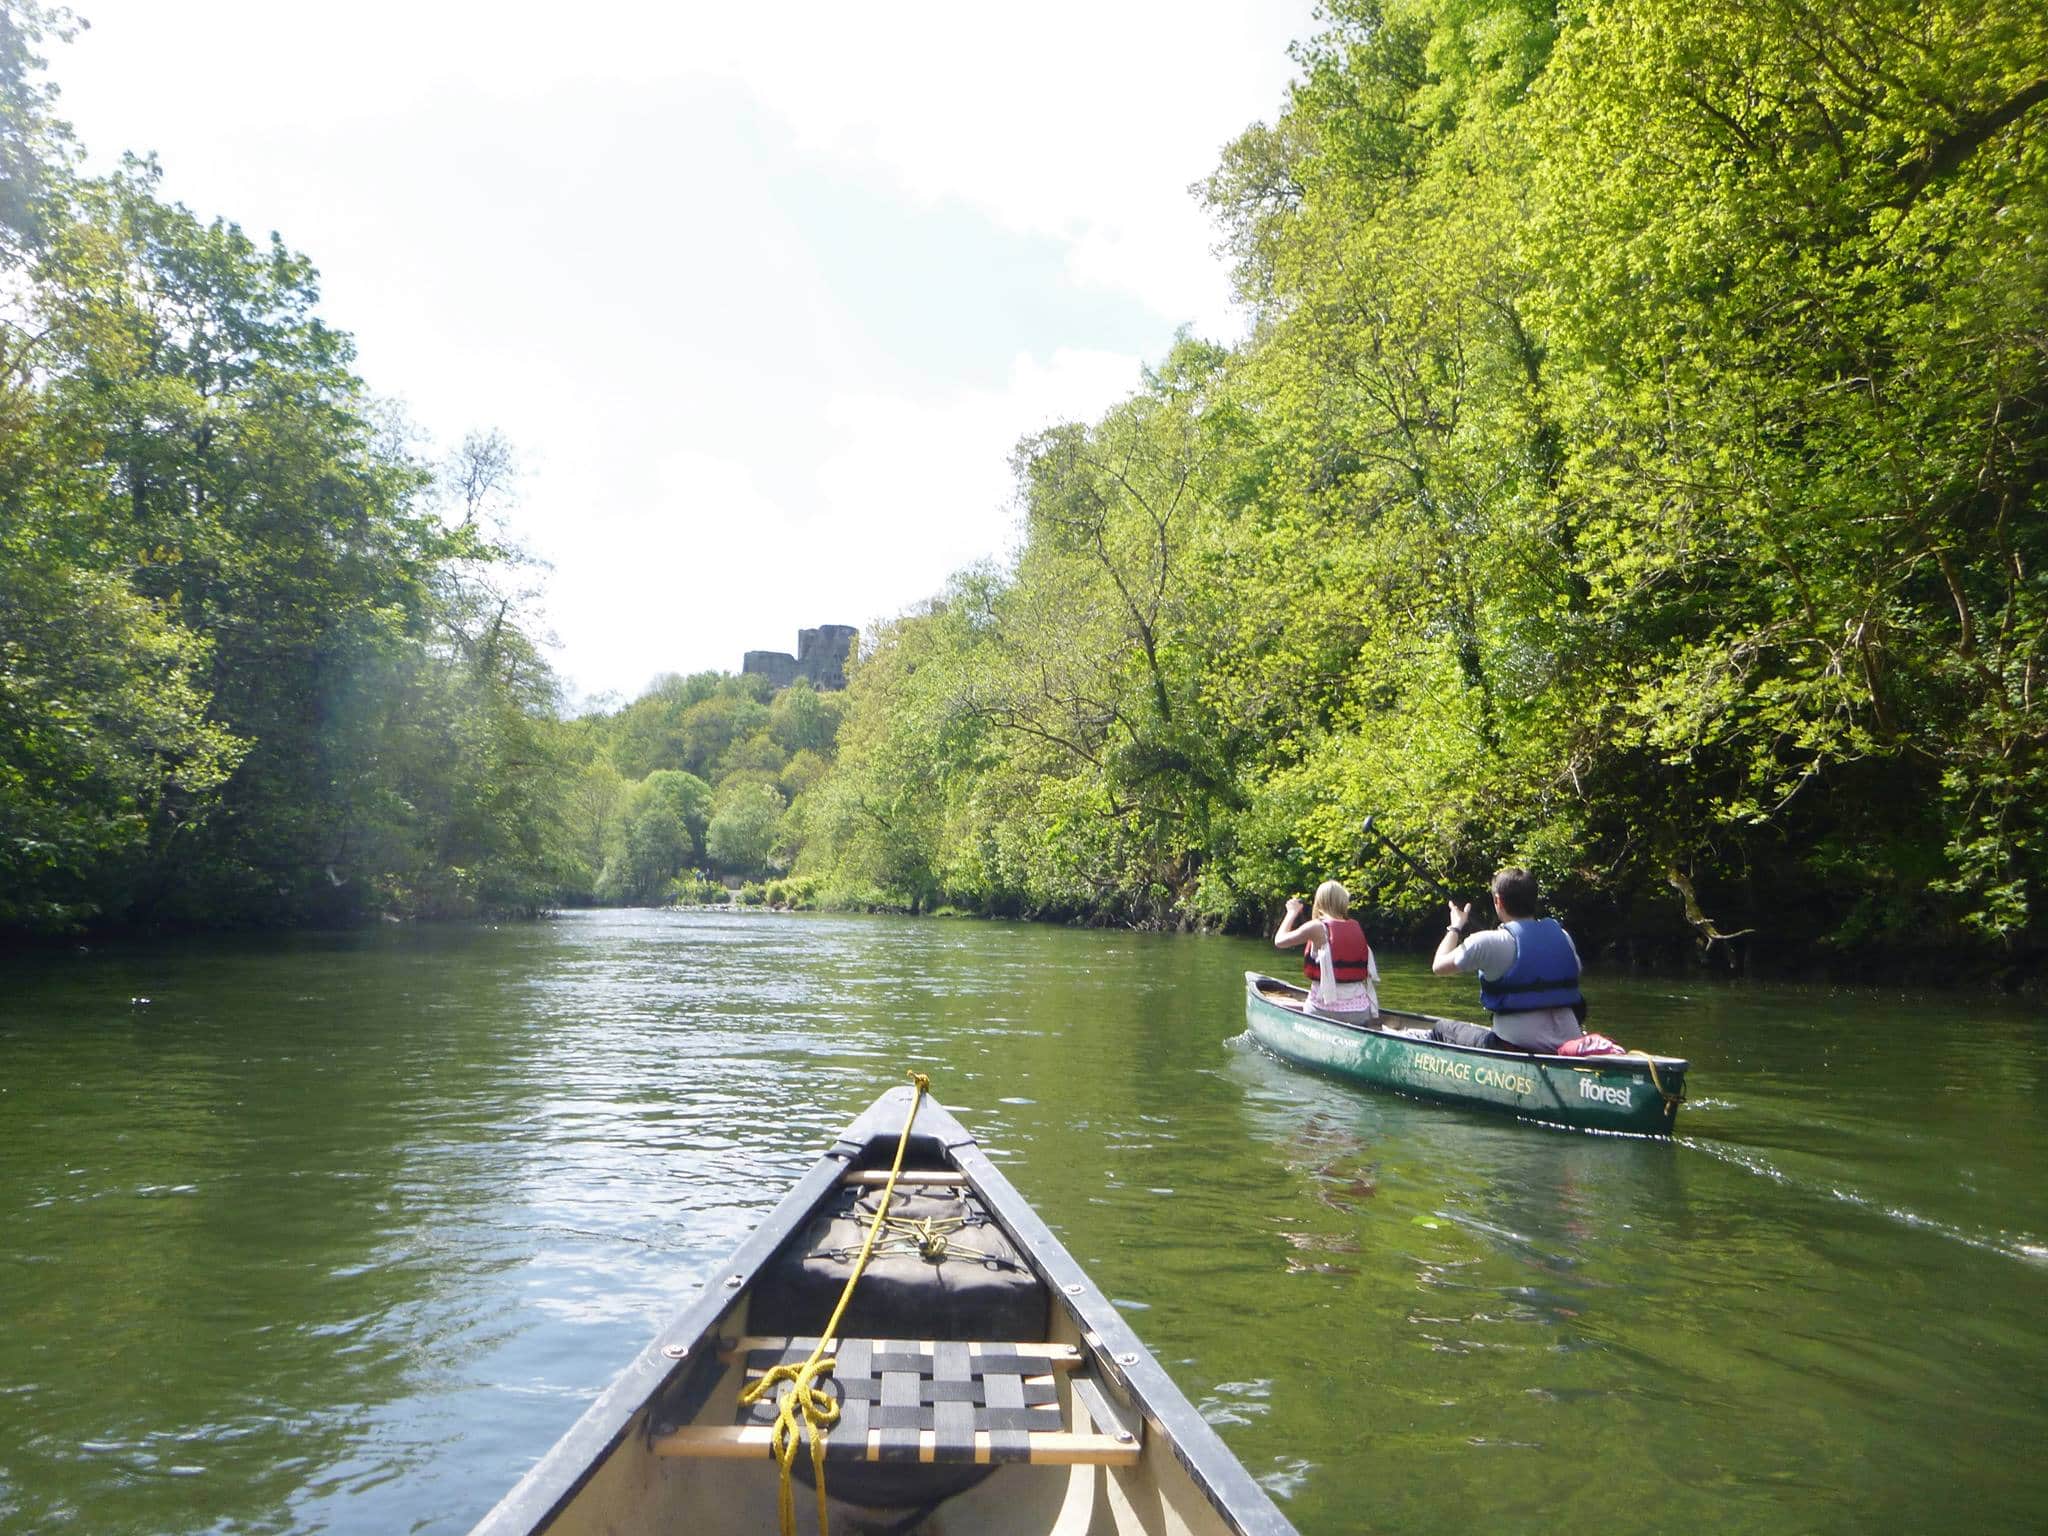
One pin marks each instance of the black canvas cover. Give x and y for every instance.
(941, 1269)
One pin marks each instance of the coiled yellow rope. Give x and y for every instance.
(932, 1238)
(807, 1409)
(929, 1237)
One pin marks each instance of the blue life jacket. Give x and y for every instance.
(1545, 973)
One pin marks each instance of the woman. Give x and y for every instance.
(1343, 977)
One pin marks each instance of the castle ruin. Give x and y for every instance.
(821, 656)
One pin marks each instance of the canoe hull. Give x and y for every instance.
(1634, 1095)
(668, 1447)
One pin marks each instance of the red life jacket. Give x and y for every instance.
(1350, 954)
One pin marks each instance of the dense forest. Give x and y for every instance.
(1633, 469)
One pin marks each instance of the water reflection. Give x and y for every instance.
(338, 1235)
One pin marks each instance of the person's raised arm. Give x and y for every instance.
(1446, 961)
(1292, 929)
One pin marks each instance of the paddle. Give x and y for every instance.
(1578, 1008)
(1400, 853)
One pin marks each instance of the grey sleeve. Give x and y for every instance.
(1491, 953)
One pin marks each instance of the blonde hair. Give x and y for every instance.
(1332, 900)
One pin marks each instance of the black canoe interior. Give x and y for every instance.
(1402, 1025)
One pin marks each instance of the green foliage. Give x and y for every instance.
(873, 829)
(248, 671)
(656, 848)
(801, 772)
(711, 728)
(1634, 470)
(685, 795)
(696, 890)
(593, 817)
(259, 660)
(746, 820)
(759, 756)
(796, 893)
(104, 744)
(801, 719)
(728, 756)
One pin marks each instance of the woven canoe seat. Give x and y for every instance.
(919, 1400)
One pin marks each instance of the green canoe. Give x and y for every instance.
(1637, 1093)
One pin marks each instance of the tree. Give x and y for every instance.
(104, 742)
(1806, 408)
(37, 152)
(686, 795)
(745, 823)
(1632, 471)
(251, 675)
(804, 720)
(657, 849)
(594, 823)
(708, 728)
(759, 755)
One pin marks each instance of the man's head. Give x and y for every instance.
(1514, 890)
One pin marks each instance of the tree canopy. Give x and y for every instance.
(244, 672)
(1634, 470)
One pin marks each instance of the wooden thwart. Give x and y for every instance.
(1052, 1357)
(1048, 1448)
(923, 1401)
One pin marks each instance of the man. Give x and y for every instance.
(1528, 972)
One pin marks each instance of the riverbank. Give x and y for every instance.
(1668, 955)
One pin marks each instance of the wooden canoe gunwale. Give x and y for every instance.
(1268, 1000)
(1112, 1347)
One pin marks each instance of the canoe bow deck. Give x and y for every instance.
(1636, 1094)
(986, 1385)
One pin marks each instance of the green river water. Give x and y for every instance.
(338, 1234)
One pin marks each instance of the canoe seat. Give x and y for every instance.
(944, 1401)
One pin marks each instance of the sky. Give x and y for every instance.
(762, 297)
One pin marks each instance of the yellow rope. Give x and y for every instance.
(1670, 1099)
(807, 1409)
(930, 1237)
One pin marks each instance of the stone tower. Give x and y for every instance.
(821, 657)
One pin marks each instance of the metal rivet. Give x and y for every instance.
(1125, 1436)
(1076, 1288)
(734, 1281)
(1126, 1359)
(677, 1351)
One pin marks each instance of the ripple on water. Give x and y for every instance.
(360, 1226)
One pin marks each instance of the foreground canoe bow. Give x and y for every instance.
(984, 1383)
(1636, 1093)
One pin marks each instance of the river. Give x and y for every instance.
(338, 1233)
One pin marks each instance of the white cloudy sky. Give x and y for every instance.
(762, 296)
